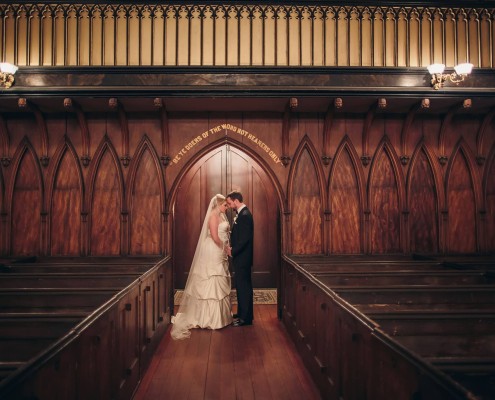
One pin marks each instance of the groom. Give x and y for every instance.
(241, 241)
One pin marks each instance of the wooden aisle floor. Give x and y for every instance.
(250, 362)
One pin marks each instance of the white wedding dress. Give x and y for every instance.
(205, 302)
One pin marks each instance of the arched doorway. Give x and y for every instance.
(221, 170)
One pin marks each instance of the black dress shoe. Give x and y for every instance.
(240, 322)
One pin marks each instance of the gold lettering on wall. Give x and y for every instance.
(226, 128)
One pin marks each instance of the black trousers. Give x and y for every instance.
(244, 286)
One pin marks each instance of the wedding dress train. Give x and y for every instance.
(205, 302)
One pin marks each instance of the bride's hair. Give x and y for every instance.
(219, 200)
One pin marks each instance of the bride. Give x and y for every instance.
(205, 302)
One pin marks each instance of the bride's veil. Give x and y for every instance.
(181, 324)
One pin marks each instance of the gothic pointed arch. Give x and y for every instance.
(346, 196)
(145, 200)
(106, 190)
(462, 200)
(25, 201)
(65, 199)
(489, 201)
(385, 200)
(424, 201)
(307, 200)
(216, 144)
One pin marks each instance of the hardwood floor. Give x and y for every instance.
(250, 362)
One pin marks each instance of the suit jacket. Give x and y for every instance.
(242, 239)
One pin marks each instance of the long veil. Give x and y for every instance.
(181, 322)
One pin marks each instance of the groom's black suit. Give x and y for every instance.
(242, 259)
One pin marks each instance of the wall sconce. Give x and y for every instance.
(7, 72)
(438, 78)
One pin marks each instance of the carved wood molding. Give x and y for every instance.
(24, 104)
(480, 158)
(423, 104)
(327, 129)
(70, 104)
(370, 116)
(124, 129)
(165, 157)
(291, 105)
(225, 81)
(4, 142)
(442, 158)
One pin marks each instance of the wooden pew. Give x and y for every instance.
(106, 318)
(460, 344)
(405, 311)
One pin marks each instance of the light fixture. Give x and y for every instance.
(438, 78)
(7, 72)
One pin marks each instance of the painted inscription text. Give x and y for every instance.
(224, 128)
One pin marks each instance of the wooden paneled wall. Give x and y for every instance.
(346, 182)
(233, 35)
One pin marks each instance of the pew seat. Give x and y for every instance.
(61, 299)
(73, 268)
(67, 280)
(409, 278)
(419, 294)
(7, 367)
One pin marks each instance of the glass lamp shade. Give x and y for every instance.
(8, 68)
(463, 69)
(436, 68)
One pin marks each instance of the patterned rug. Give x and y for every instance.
(261, 296)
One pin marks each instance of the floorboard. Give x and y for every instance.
(249, 362)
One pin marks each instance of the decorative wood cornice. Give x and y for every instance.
(252, 82)
(382, 3)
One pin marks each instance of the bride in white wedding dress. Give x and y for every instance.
(205, 302)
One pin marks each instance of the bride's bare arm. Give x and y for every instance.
(213, 225)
